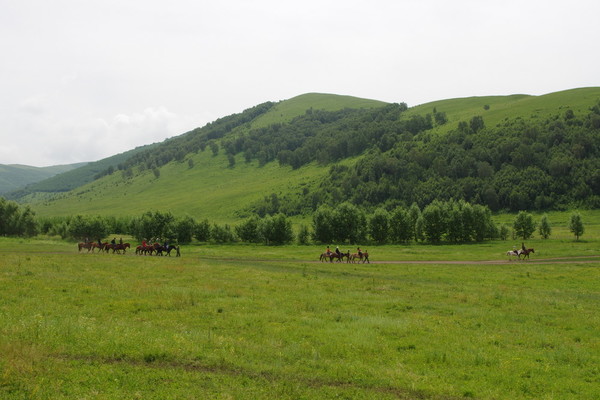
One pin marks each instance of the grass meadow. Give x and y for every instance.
(259, 322)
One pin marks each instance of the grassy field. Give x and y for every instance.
(251, 321)
(210, 190)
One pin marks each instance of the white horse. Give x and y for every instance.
(512, 253)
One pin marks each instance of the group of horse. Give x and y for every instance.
(157, 249)
(518, 253)
(120, 248)
(353, 258)
(106, 247)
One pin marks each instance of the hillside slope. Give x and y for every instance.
(277, 158)
(194, 181)
(509, 107)
(14, 176)
(73, 178)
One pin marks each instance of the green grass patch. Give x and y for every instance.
(249, 321)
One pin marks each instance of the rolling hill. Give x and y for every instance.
(13, 177)
(321, 148)
(71, 178)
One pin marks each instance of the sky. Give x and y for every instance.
(81, 80)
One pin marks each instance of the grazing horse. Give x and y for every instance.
(512, 253)
(525, 253)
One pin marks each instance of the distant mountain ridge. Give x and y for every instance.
(15, 176)
(71, 178)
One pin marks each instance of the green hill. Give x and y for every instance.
(13, 177)
(285, 111)
(508, 152)
(510, 107)
(78, 175)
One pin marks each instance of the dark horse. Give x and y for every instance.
(171, 248)
(525, 253)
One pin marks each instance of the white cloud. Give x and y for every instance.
(136, 72)
(34, 105)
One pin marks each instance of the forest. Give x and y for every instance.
(520, 164)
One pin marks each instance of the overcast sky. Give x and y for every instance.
(81, 80)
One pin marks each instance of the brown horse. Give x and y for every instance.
(99, 246)
(331, 255)
(121, 246)
(146, 249)
(89, 246)
(364, 257)
(525, 253)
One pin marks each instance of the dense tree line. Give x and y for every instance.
(454, 221)
(16, 220)
(517, 165)
(324, 136)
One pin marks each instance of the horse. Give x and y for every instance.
(143, 249)
(347, 255)
(512, 253)
(331, 255)
(364, 257)
(171, 248)
(338, 256)
(99, 246)
(121, 246)
(158, 249)
(89, 246)
(525, 253)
